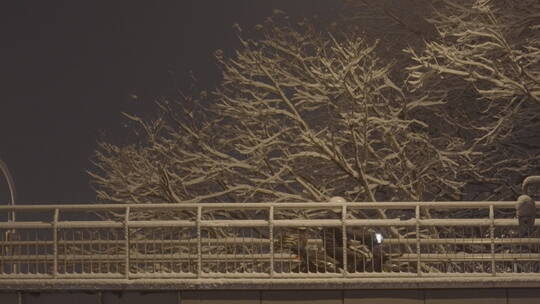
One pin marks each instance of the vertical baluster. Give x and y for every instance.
(354, 255)
(190, 253)
(24, 249)
(177, 249)
(298, 251)
(82, 248)
(71, 261)
(334, 255)
(199, 249)
(324, 250)
(91, 249)
(126, 240)
(492, 237)
(55, 243)
(303, 239)
(74, 249)
(463, 247)
(64, 242)
(171, 250)
(316, 252)
(145, 251)
(271, 239)
(283, 268)
(290, 261)
(99, 249)
(344, 238)
(418, 258)
(209, 250)
(15, 249)
(390, 250)
(364, 258)
(253, 248)
(162, 244)
(38, 262)
(235, 248)
(3, 252)
(153, 251)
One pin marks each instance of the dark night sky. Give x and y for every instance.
(69, 67)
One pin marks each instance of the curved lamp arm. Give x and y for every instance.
(11, 186)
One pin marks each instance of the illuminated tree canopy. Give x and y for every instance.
(310, 109)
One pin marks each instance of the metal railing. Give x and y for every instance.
(267, 240)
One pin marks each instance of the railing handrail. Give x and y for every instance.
(299, 205)
(262, 223)
(416, 250)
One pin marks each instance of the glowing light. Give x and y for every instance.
(379, 238)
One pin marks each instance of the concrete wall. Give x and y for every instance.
(409, 296)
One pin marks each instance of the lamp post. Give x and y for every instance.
(11, 215)
(11, 185)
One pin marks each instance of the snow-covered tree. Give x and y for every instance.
(484, 67)
(309, 110)
(300, 115)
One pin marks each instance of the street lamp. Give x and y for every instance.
(11, 215)
(11, 185)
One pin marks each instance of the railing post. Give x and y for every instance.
(418, 259)
(199, 237)
(271, 237)
(55, 242)
(492, 237)
(127, 243)
(344, 238)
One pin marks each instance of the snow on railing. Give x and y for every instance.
(266, 240)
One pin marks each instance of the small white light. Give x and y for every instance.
(379, 238)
